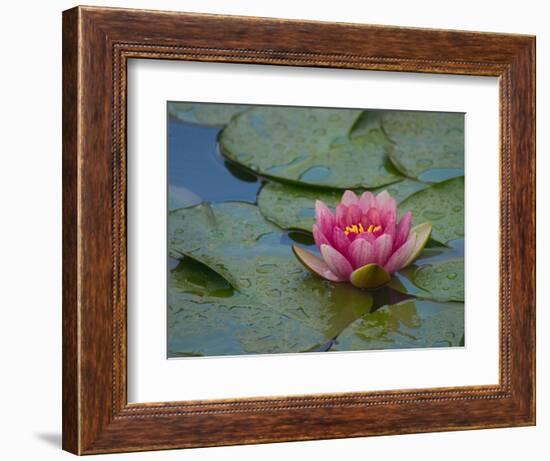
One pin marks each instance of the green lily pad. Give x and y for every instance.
(293, 207)
(440, 280)
(402, 189)
(309, 146)
(441, 204)
(408, 324)
(219, 235)
(207, 317)
(369, 121)
(443, 280)
(234, 240)
(424, 140)
(203, 113)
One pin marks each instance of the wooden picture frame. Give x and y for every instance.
(97, 44)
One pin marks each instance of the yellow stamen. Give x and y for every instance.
(359, 229)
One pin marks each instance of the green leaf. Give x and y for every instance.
(219, 235)
(443, 280)
(235, 241)
(439, 280)
(212, 114)
(293, 207)
(207, 317)
(368, 121)
(408, 324)
(442, 205)
(309, 146)
(402, 189)
(369, 276)
(425, 140)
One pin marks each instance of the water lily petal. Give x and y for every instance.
(400, 257)
(324, 217)
(340, 241)
(373, 217)
(368, 236)
(315, 264)
(319, 237)
(422, 232)
(361, 252)
(390, 229)
(389, 217)
(342, 216)
(382, 248)
(369, 276)
(385, 202)
(366, 201)
(350, 198)
(354, 214)
(336, 262)
(403, 229)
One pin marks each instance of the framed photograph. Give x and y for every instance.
(281, 230)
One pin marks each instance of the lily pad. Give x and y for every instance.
(203, 113)
(206, 317)
(441, 280)
(293, 207)
(408, 324)
(424, 140)
(309, 146)
(234, 240)
(402, 189)
(219, 235)
(369, 121)
(441, 204)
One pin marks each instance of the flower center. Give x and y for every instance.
(359, 229)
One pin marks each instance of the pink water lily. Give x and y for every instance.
(363, 242)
